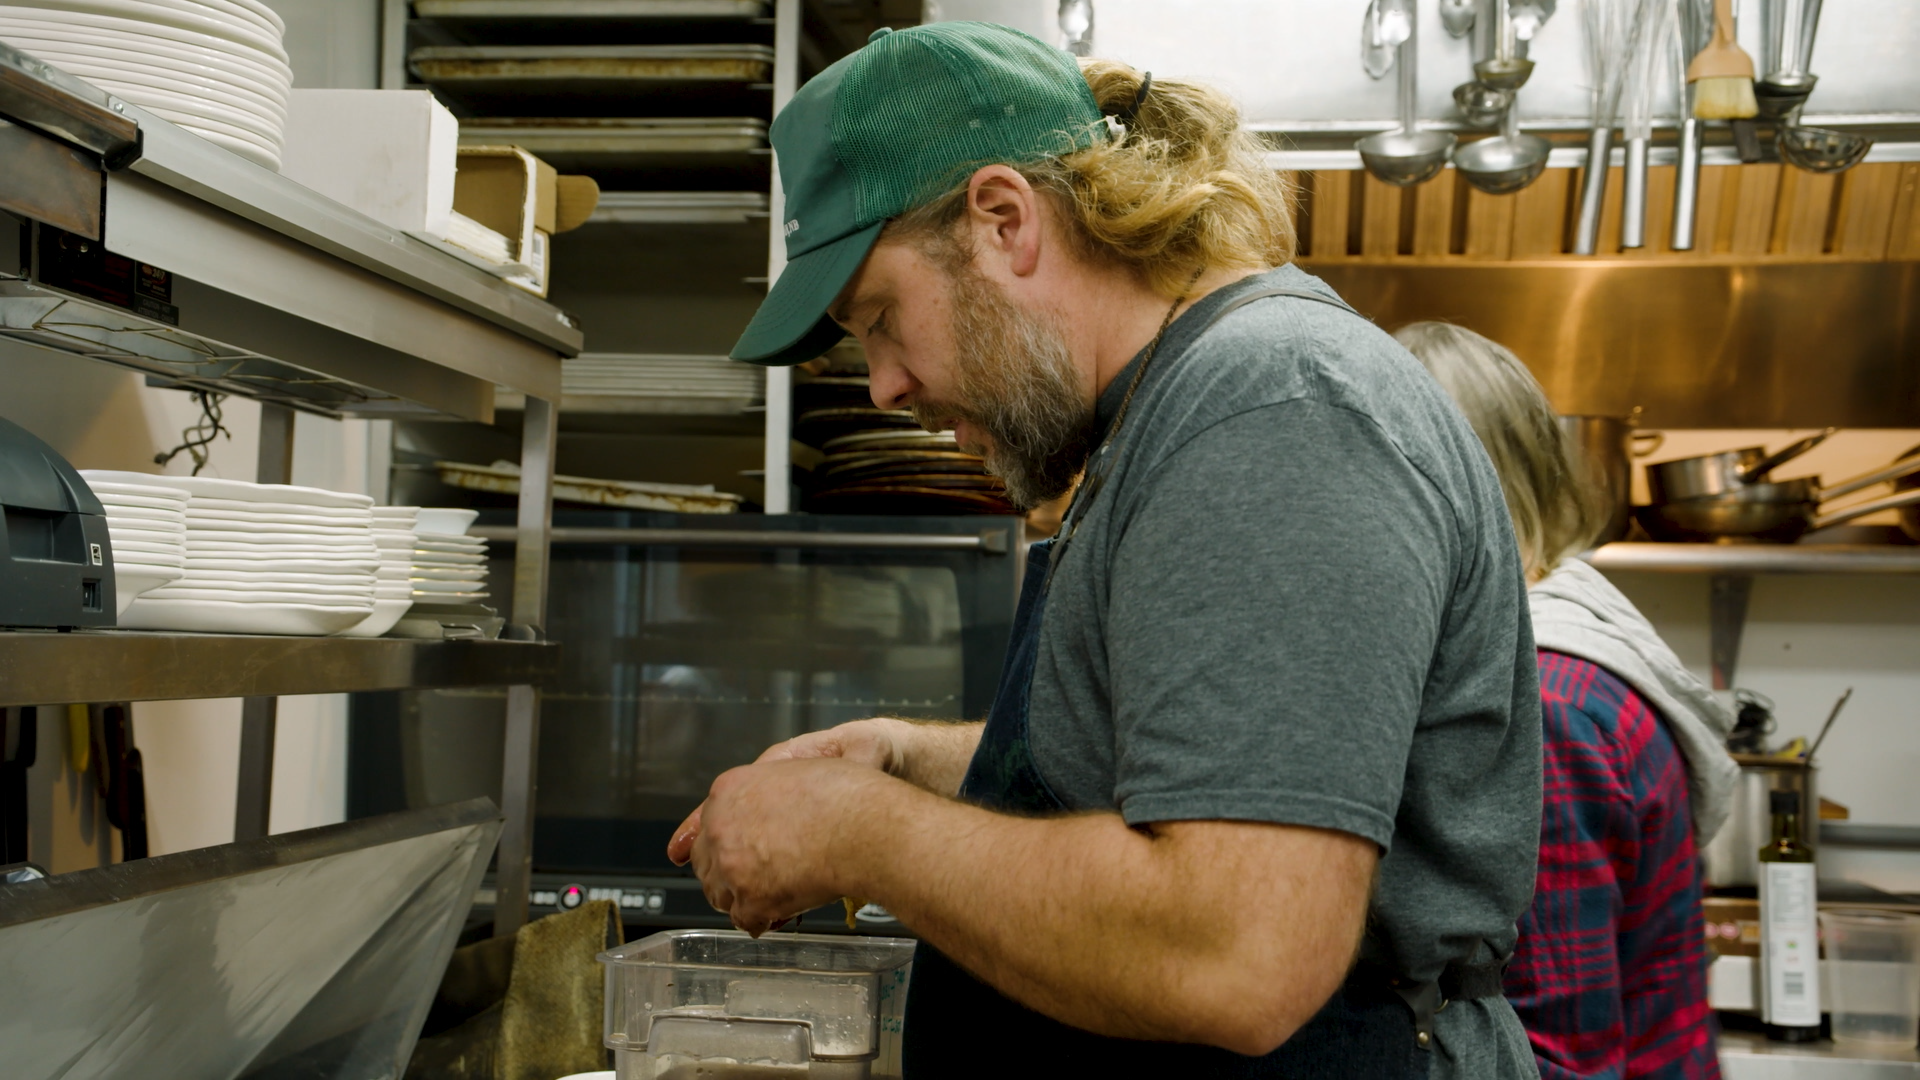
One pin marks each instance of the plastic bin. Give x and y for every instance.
(1873, 966)
(716, 1004)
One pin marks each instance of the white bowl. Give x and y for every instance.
(445, 520)
(406, 513)
(429, 536)
(159, 13)
(102, 483)
(226, 617)
(337, 553)
(233, 532)
(386, 612)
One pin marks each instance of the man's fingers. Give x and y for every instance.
(680, 848)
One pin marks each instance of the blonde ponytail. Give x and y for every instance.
(1181, 187)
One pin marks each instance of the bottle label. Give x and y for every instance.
(1789, 945)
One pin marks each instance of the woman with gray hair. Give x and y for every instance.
(1610, 972)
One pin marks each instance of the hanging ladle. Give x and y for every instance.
(1507, 162)
(1407, 156)
(1503, 70)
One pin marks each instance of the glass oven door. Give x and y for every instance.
(690, 644)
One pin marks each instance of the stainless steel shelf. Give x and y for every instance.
(1758, 558)
(589, 9)
(277, 292)
(48, 668)
(994, 541)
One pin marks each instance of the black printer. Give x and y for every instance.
(56, 567)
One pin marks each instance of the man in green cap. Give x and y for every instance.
(1260, 792)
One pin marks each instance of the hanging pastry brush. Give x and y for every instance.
(1722, 73)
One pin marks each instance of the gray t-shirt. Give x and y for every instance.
(1298, 599)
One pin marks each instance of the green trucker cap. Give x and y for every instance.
(889, 128)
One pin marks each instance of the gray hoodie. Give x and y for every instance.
(1577, 611)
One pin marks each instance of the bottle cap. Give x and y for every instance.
(1784, 802)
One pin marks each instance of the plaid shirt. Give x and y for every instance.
(1610, 973)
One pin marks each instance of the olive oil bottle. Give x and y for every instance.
(1789, 928)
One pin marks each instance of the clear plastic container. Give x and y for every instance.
(716, 1004)
(1873, 968)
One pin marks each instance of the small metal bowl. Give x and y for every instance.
(1404, 158)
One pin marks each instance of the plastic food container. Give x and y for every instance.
(717, 1004)
(1873, 965)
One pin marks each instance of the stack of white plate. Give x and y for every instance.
(263, 559)
(392, 586)
(662, 375)
(214, 67)
(449, 567)
(147, 527)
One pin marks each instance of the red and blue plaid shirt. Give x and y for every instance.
(1610, 974)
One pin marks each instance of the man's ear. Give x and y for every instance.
(1003, 213)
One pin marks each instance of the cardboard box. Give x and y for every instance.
(390, 154)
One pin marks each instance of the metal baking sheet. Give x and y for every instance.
(596, 63)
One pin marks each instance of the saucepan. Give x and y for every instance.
(1603, 448)
(1780, 512)
(1719, 474)
(1910, 515)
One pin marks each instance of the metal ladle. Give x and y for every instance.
(1481, 106)
(1506, 163)
(1407, 156)
(1504, 70)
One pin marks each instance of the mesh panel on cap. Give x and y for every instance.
(926, 105)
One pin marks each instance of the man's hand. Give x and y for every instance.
(929, 755)
(774, 834)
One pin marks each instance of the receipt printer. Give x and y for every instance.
(56, 566)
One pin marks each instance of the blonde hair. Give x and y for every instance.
(1184, 188)
(1555, 511)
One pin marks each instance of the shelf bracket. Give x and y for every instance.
(259, 716)
(520, 766)
(1726, 620)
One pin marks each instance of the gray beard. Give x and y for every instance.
(1016, 383)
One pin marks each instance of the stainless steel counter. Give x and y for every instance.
(1745, 1056)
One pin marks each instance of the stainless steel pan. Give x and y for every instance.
(1760, 512)
(1718, 474)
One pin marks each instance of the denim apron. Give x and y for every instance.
(958, 1026)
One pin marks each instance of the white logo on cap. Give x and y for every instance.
(792, 227)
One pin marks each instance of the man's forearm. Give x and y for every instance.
(1117, 930)
(934, 753)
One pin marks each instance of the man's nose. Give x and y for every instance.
(888, 384)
